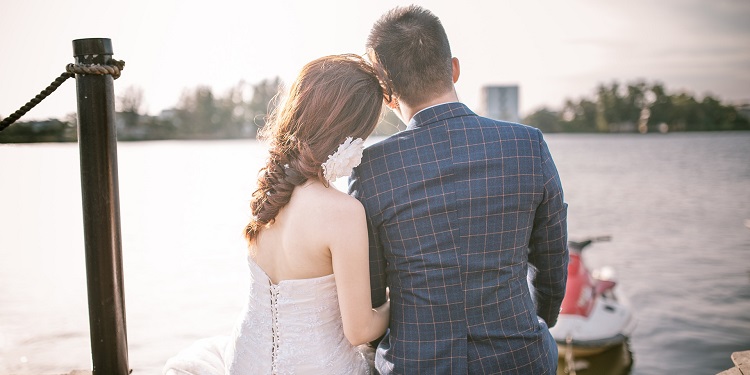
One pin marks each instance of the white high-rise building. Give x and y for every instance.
(500, 103)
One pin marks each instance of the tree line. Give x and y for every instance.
(639, 107)
(243, 109)
(199, 114)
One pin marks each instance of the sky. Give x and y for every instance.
(551, 49)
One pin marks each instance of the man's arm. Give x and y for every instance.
(378, 282)
(548, 247)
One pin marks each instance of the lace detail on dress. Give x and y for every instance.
(292, 327)
(275, 328)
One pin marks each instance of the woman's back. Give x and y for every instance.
(296, 245)
(293, 326)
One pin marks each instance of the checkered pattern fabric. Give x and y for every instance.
(458, 207)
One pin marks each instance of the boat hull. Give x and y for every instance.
(589, 347)
(609, 323)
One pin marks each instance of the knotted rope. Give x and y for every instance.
(114, 68)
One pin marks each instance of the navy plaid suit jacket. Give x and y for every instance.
(458, 206)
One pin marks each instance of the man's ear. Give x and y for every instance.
(456, 69)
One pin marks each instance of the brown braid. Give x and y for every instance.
(333, 97)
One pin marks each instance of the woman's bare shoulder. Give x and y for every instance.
(329, 203)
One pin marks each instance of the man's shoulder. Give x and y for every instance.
(458, 113)
(379, 144)
(383, 146)
(480, 126)
(509, 125)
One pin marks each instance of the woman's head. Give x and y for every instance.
(333, 97)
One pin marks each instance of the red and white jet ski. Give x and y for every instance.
(593, 317)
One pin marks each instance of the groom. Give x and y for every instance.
(459, 207)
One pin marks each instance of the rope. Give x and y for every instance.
(36, 100)
(114, 69)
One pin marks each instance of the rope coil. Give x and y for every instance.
(114, 68)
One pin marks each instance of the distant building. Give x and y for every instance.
(500, 103)
(168, 114)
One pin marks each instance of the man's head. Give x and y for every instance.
(410, 45)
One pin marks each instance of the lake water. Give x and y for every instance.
(675, 205)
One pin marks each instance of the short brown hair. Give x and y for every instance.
(411, 47)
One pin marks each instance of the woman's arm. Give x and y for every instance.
(350, 258)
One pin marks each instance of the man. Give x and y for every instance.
(458, 207)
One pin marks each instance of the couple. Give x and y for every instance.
(427, 256)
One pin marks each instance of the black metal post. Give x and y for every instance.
(97, 142)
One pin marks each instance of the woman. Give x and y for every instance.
(309, 305)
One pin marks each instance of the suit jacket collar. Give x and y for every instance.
(438, 113)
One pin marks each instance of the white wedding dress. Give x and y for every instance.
(290, 327)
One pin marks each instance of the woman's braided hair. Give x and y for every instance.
(333, 97)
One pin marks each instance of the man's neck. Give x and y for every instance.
(407, 112)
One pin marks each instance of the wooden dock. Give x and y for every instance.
(741, 364)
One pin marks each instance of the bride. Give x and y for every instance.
(308, 308)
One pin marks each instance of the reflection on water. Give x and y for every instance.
(617, 360)
(675, 206)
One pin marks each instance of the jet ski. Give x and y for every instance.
(594, 315)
